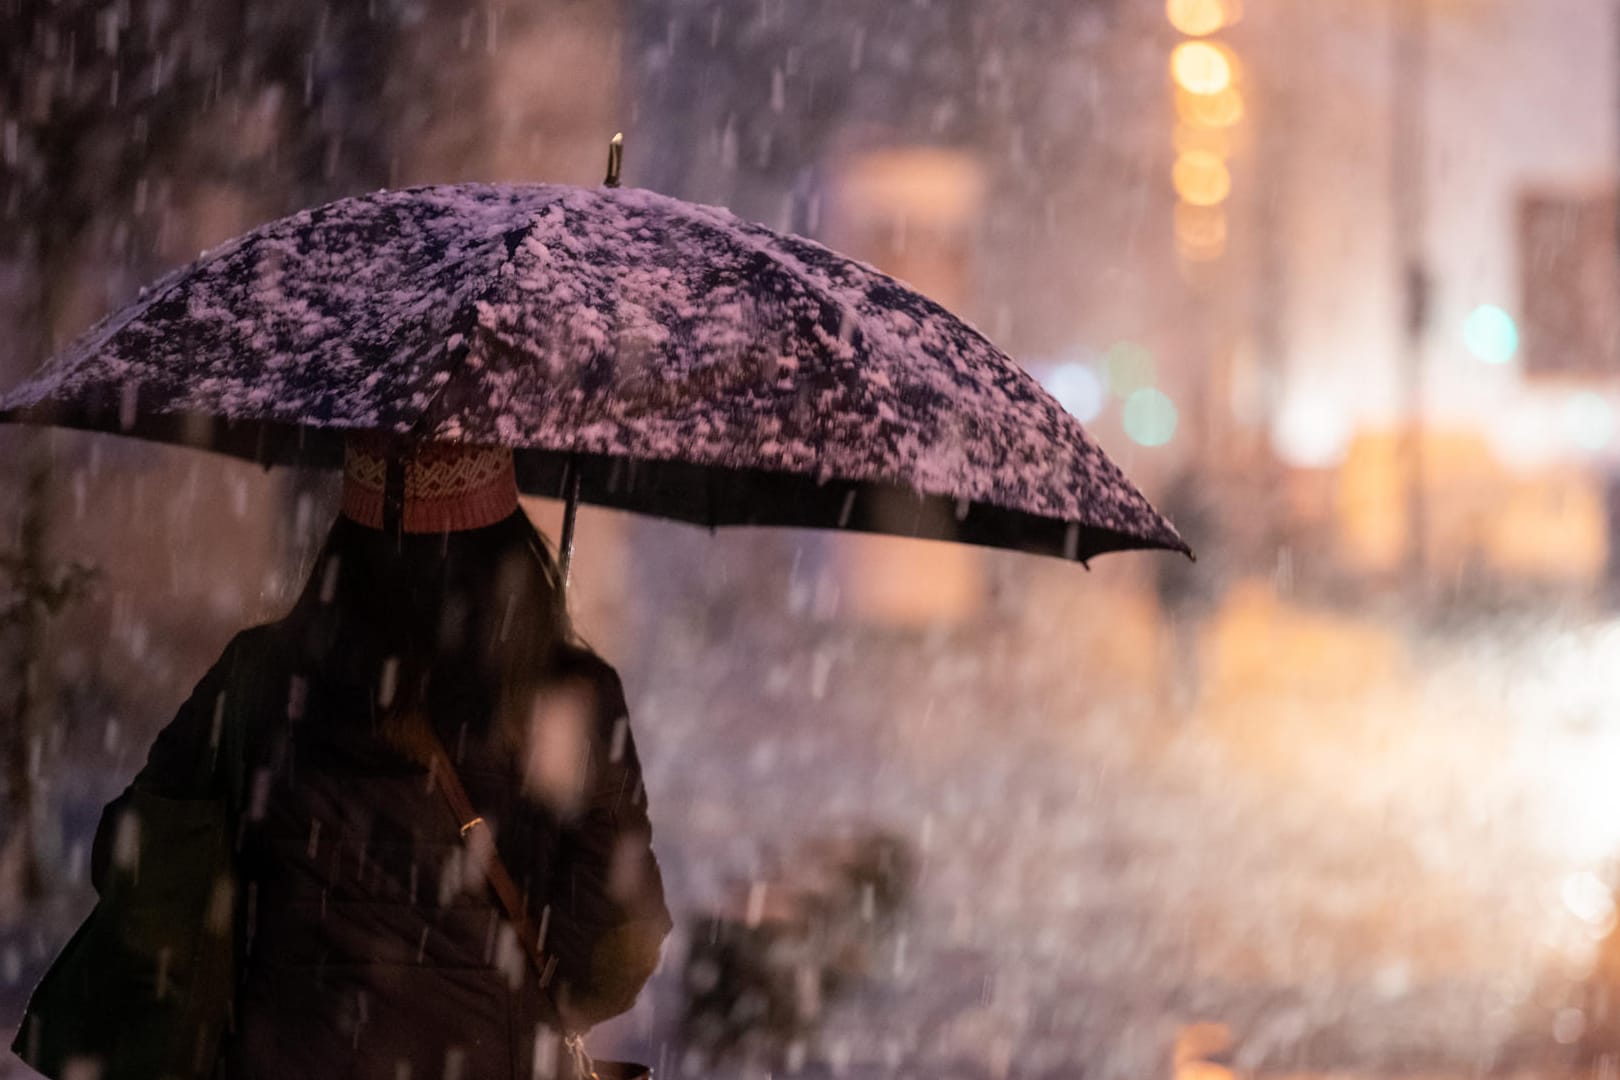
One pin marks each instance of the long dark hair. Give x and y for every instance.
(478, 613)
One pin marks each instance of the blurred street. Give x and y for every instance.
(1359, 867)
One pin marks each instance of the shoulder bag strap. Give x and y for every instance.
(506, 891)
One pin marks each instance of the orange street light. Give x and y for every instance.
(1201, 178)
(1201, 67)
(1187, 137)
(1221, 110)
(1197, 18)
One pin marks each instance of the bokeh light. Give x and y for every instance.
(1078, 388)
(1526, 433)
(1221, 110)
(1193, 138)
(1311, 431)
(1200, 226)
(1588, 899)
(1200, 232)
(1196, 17)
(1150, 417)
(1129, 368)
(1590, 420)
(1201, 253)
(1201, 178)
(1201, 67)
(1491, 334)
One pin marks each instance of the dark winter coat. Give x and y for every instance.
(371, 944)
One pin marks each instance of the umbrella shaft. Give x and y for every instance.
(394, 497)
(570, 511)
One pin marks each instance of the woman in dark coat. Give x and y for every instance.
(371, 942)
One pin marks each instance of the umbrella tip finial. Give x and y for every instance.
(615, 159)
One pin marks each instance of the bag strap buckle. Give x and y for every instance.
(583, 1065)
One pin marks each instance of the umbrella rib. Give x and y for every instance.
(112, 324)
(465, 321)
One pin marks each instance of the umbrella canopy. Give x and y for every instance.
(667, 358)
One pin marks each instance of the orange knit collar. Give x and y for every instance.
(447, 487)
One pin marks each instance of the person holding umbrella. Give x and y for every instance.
(448, 346)
(421, 736)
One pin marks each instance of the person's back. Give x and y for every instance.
(370, 941)
(370, 932)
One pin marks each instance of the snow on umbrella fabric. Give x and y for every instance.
(672, 358)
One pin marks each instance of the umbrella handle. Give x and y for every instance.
(615, 160)
(565, 555)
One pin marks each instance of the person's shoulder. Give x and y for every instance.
(255, 640)
(260, 636)
(574, 661)
(259, 648)
(579, 663)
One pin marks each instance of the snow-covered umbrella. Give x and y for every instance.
(634, 350)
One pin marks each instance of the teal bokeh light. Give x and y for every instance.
(1150, 417)
(1491, 334)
